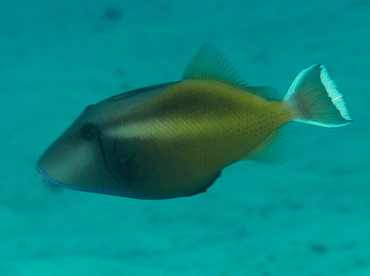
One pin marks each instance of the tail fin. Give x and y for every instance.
(316, 100)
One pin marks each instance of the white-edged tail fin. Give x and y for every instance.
(315, 99)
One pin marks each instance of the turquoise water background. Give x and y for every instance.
(309, 216)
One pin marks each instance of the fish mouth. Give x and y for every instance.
(45, 178)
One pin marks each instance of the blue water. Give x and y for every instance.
(309, 216)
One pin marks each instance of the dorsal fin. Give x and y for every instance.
(209, 63)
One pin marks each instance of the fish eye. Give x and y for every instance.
(89, 131)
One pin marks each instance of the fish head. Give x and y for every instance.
(80, 158)
(95, 154)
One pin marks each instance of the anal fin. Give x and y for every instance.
(274, 148)
(207, 185)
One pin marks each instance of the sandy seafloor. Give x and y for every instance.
(309, 216)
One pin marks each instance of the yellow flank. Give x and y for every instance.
(204, 108)
(203, 126)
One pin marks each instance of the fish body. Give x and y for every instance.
(173, 140)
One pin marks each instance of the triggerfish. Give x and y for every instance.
(173, 139)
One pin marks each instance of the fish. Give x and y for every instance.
(173, 139)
